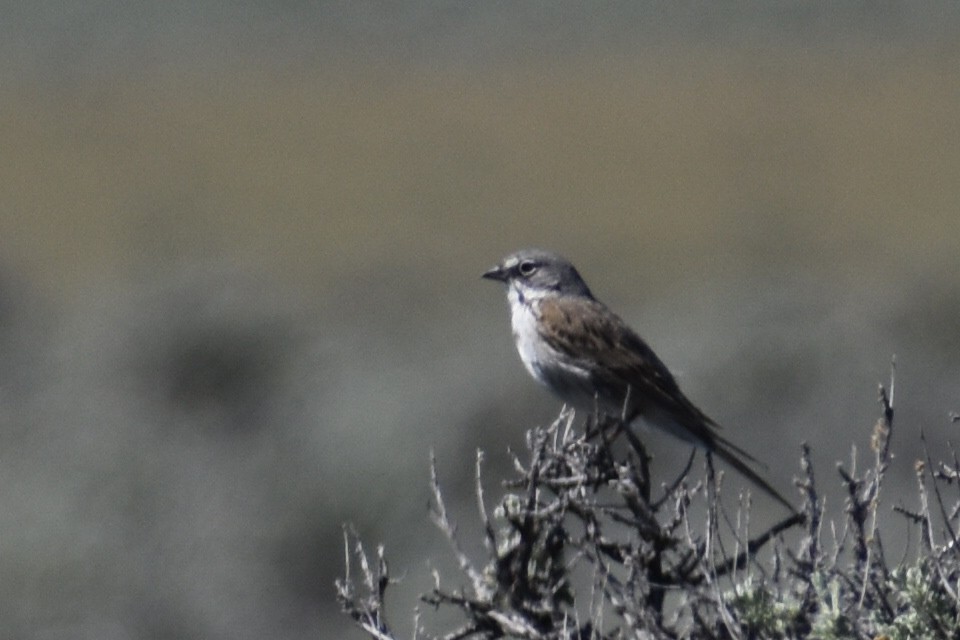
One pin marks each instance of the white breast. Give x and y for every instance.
(523, 320)
(549, 368)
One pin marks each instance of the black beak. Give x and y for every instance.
(497, 273)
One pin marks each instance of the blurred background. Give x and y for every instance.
(240, 248)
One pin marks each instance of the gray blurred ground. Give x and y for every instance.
(240, 254)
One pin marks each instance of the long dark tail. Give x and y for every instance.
(734, 456)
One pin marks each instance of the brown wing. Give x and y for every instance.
(593, 338)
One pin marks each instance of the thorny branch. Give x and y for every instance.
(576, 548)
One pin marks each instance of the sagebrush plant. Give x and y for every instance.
(581, 546)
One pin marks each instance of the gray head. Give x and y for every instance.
(536, 270)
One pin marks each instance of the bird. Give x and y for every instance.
(584, 353)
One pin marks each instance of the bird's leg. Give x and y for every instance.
(592, 427)
(598, 422)
(601, 425)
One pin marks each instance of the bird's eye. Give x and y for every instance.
(527, 267)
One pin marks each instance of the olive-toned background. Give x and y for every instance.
(240, 254)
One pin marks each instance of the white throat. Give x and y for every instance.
(524, 311)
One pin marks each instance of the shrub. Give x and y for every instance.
(581, 546)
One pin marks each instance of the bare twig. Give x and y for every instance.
(366, 610)
(442, 520)
(575, 549)
(936, 490)
(755, 544)
(490, 538)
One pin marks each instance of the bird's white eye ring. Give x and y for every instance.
(527, 267)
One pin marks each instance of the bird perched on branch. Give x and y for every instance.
(584, 353)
